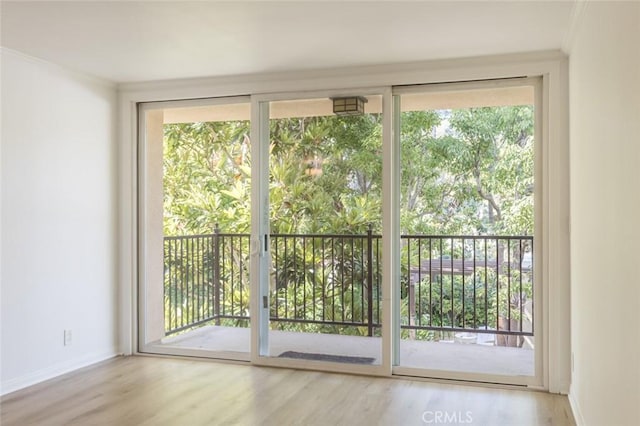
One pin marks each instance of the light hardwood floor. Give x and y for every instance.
(164, 391)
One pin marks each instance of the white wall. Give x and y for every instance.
(59, 206)
(605, 214)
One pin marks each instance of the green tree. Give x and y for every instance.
(464, 171)
(207, 177)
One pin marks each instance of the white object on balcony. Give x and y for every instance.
(466, 338)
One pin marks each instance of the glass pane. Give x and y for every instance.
(198, 183)
(467, 218)
(325, 224)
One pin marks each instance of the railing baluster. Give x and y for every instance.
(216, 273)
(333, 279)
(304, 278)
(353, 281)
(509, 284)
(177, 277)
(464, 314)
(203, 278)
(430, 283)
(286, 277)
(378, 274)
(295, 279)
(498, 266)
(324, 280)
(192, 281)
(169, 272)
(313, 277)
(520, 298)
(208, 276)
(419, 282)
(198, 280)
(441, 286)
(276, 261)
(342, 278)
(475, 322)
(410, 284)
(486, 287)
(199, 285)
(370, 280)
(453, 313)
(179, 300)
(240, 275)
(363, 278)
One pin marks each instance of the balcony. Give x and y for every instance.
(466, 298)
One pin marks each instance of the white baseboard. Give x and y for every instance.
(59, 369)
(575, 408)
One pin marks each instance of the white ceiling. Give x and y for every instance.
(141, 41)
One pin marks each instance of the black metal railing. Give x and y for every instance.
(449, 284)
(478, 284)
(328, 280)
(206, 278)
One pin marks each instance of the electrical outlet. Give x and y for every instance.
(67, 337)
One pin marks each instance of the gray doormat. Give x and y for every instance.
(327, 357)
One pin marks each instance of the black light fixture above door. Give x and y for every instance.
(349, 105)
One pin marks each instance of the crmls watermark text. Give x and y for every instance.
(447, 417)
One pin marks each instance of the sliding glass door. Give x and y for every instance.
(468, 231)
(195, 198)
(381, 231)
(324, 229)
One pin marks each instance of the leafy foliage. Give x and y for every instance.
(465, 171)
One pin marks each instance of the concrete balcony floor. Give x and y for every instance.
(443, 355)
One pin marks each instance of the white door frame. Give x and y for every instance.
(537, 380)
(144, 234)
(551, 65)
(260, 228)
